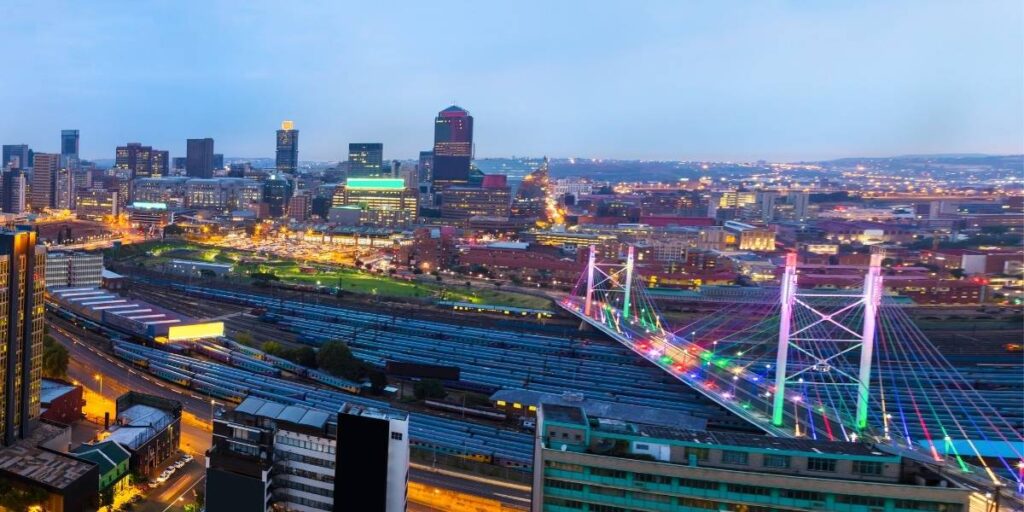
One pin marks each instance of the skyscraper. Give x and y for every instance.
(21, 330)
(159, 163)
(425, 168)
(44, 180)
(18, 155)
(453, 147)
(135, 158)
(287, 148)
(69, 148)
(12, 193)
(366, 159)
(199, 158)
(277, 190)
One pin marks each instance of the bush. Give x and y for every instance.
(429, 389)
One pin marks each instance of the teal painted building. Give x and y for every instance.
(112, 460)
(599, 465)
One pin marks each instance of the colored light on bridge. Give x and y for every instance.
(666, 360)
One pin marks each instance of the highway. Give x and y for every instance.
(118, 377)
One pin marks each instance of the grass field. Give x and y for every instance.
(155, 254)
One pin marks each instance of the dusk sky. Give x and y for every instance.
(651, 80)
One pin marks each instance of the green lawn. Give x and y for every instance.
(348, 279)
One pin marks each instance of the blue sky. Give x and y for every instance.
(709, 79)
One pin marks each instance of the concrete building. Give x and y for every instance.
(60, 401)
(44, 180)
(746, 237)
(172, 192)
(64, 269)
(97, 204)
(266, 455)
(225, 194)
(600, 464)
(383, 202)
(147, 426)
(14, 190)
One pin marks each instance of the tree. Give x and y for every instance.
(55, 358)
(429, 389)
(244, 338)
(377, 381)
(334, 357)
(304, 356)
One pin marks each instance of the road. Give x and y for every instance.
(86, 363)
(118, 377)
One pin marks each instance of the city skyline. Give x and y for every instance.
(676, 82)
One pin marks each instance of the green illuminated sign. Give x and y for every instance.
(375, 183)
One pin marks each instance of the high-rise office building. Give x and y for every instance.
(218, 161)
(64, 189)
(453, 147)
(380, 202)
(12, 199)
(425, 166)
(21, 330)
(136, 158)
(159, 163)
(17, 156)
(44, 180)
(277, 190)
(287, 148)
(69, 148)
(178, 164)
(199, 158)
(366, 160)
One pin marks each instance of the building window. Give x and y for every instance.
(562, 484)
(701, 453)
(610, 473)
(819, 464)
(749, 489)
(794, 494)
(574, 468)
(697, 484)
(863, 467)
(734, 457)
(776, 461)
(653, 479)
(866, 501)
(397, 436)
(607, 491)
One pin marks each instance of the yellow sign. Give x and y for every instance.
(195, 331)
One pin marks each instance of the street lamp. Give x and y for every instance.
(99, 378)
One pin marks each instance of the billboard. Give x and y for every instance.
(195, 331)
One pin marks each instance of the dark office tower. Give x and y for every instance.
(23, 271)
(69, 148)
(218, 161)
(366, 159)
(287, 148)
(135, 158)
(425, 168)
(12, 193)
(453, 147)
(159, 163)
(44, 181)
(277, 190)
(199, 158)
(178, 164)
(17, 154)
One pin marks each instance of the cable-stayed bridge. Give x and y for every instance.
(826, 364)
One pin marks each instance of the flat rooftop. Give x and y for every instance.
(51, 390)
(28, 460)
(602, 409)
(138, 424)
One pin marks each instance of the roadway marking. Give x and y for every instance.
(516, 498)
(464, 476)
(175, 500)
